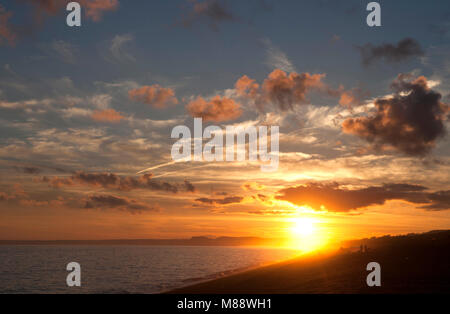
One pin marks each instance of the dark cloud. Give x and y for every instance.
(439, 201)
(211, 12)
(403, 50)
(189, 186)
(104, 202)
(261, 197)
(221, 201)
(335, 198)
(113, 181)
(5, 197)
(404, 187)
(410, 121)
(28, 170)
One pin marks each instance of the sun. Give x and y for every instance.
(305, 234)
(303, 227)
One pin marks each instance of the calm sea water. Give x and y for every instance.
(123, 269)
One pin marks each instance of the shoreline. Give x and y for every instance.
(239, 272)
(411, 264)
(228, 273)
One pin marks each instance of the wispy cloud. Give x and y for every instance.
(118, 48)
(276, 58)
(63, 50)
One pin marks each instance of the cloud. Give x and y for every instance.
(253, 186)
(189, 186)
(5, 197)
(281, 89)
(353, 97)
(334, 198)
(221, 201)
(403, 50)
(247, 87)
(6, 32)
(92, 9)
(95, 8)
(211, 12)
(113, 181)
(412, 120)
(107, 115)
(63, 50)
(218, 109)
(118, 48)
(16, 192)
(103, 202)
(28, 170)
(335, 38)
(277, 59)
(285, 91)
(439, 201)
(154, 95)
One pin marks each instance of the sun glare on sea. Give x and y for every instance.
(305, 235)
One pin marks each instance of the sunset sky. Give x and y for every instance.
(363, 116)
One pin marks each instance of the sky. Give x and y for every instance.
(362, 111)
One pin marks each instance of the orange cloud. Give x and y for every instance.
(352, 97)
(281, 89)
(108, 115)
(218, 109)
(247, 87)
(5, 29)
(154, 95)
(288, 90)
(95, 8)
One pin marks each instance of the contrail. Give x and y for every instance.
(158, 166)
(170, 172)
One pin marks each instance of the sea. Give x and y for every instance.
(124, 269)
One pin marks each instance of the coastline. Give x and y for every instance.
(192, 282)
(416, 264)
